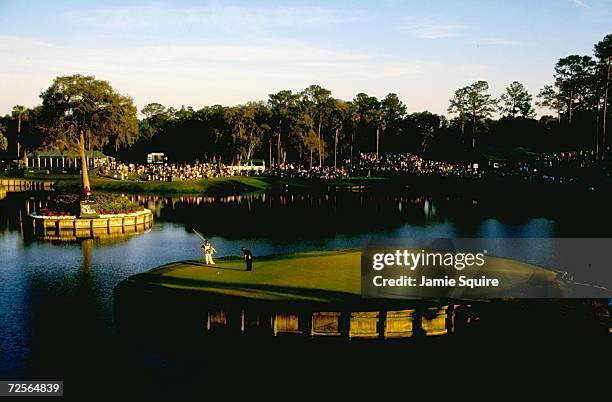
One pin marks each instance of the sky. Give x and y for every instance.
(200, 53)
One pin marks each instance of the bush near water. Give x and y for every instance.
(68, 205)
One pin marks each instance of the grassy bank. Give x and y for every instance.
(419, 185)
(330, 276)
(217, 185)
(41, 175)
(208, 187)
(213, 186)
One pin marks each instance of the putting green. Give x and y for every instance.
(329, 276)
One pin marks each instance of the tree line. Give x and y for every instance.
(312, 128)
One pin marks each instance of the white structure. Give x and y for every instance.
(65, 160)
(156, 157)
(249, 166)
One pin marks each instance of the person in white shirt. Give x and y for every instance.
(208, 250)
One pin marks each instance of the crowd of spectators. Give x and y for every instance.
(293, 171)
(560, 167)
(411, 164)
(569, 159)
(163, 171)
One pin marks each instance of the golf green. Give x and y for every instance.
(327, 276)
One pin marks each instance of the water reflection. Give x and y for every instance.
(57, 298)
(385, 324)
(286, 222)
(284, 217)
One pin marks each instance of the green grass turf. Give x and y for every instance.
(212, 186)
(35, 174)
(315, 276)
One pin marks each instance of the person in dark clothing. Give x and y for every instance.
(248, 258)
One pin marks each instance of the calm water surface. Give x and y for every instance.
(56, 299)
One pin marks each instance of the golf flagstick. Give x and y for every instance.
(199, 235)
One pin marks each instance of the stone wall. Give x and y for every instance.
(384, 324)
(72, 228)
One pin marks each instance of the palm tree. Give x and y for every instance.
(20, 113)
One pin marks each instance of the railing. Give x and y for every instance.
(13, 185)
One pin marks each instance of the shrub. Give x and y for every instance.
(68, 204)
(114, 204)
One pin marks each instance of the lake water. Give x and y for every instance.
(56, 299)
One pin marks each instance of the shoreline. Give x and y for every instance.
(242, 185)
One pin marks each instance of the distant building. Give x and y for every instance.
(156, 157)
(65, 160)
